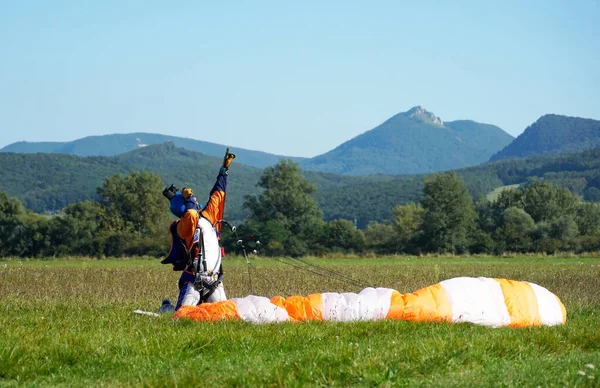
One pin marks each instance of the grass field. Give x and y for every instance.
(493, 195)
(70, 323)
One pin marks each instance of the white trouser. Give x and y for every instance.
(192, 296)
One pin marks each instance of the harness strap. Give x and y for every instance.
(203, 252)
(210, 291)
(206, 282)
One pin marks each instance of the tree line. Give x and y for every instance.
(131, 218)
(541, 217)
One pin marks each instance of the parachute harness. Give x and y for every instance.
(206, 282)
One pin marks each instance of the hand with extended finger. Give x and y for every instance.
(228, 158)
(226, 162)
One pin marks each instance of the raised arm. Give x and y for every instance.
(215, 207)
(213, 211)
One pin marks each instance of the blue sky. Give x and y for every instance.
(293, 78)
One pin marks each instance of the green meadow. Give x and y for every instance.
(494, 194)
(70, 322)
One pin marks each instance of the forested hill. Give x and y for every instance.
(48, 182)
(110, 145)
(579, 172)
(413, 142)
(551, 135)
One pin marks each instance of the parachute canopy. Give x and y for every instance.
(483, 301)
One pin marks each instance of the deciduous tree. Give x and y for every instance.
(449, 215)
(287, 201)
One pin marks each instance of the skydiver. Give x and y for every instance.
(195, 246)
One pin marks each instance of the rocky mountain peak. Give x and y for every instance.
(419, 113)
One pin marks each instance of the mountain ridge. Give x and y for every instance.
(419, 142)
(412, 142)
(553, 134)
(118, 143)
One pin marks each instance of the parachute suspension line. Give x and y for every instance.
(324, 274)
(248, 265)
(340, 275)
(233, 230)
(297, 263)
(266, 278)
(301, 268)
(322, 271)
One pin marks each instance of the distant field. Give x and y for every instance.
(492, 195)
(70, 322)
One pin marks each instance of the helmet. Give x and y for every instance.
(179, 205)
